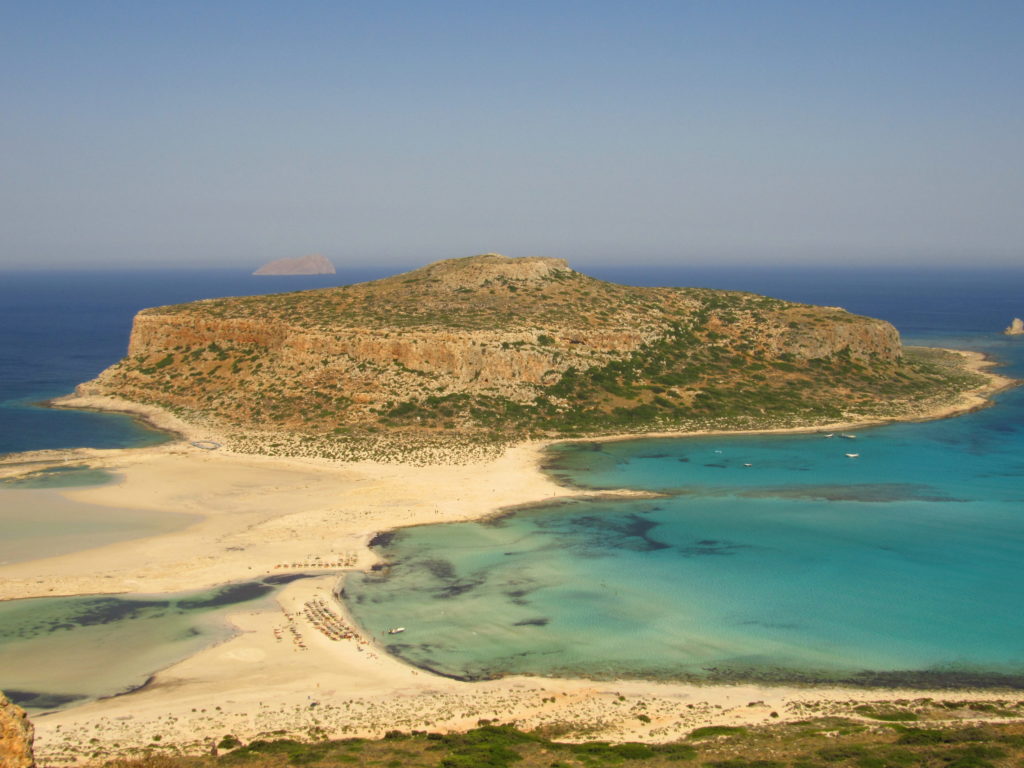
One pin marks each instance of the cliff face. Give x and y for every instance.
(16, 734)
(471, 343)
(482, 359)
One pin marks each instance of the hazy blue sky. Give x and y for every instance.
(231, 133)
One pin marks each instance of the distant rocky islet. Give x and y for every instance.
(313, 264)
(1015, 328)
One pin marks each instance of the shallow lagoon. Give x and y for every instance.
(59, 651)
(900, 566)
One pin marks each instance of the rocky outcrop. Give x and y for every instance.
(865, 338)
(1016, 328)
(16, 734)
(313, 264)
(488, 268)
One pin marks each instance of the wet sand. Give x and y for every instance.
(44, 523)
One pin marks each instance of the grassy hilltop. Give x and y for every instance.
(482, 351)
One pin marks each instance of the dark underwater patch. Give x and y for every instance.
(878, 493)
(456, 588)
(229, 595)
(639, 527)
(418, 656)
(38, 700)
(498, 519)
(383, 539)
(711, 547)
(518, 596)
(439, 569)
(632, 535)
(541, 622)
(286, 578)
(600, 535)
(110, 609)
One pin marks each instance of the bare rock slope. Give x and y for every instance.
(492, 349)
(16, 735)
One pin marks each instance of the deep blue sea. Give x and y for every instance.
(903, 565)
(60, 329)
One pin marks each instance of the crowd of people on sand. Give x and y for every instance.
(319, 614)
(327, 621)
(293, 630)
(345, 560)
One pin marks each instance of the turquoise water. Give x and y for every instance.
(61, 476)
(59, 651)
(900, 566)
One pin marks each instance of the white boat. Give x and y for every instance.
(830, 435)
(396, 630)
(852, 455)
(849, 437)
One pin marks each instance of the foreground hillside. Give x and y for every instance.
(812, 743)
(486, 350)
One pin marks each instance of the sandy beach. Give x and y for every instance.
(256, 515)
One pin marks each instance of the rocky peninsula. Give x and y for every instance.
(484, 351)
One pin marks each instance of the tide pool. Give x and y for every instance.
(900, 566)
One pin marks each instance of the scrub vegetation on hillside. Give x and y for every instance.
(877, 741)
(481, 352)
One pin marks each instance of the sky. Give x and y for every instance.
(228, 133)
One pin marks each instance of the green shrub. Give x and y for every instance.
(709, 731)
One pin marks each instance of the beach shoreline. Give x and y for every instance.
(259, 515)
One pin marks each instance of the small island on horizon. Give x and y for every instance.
(313, 264)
